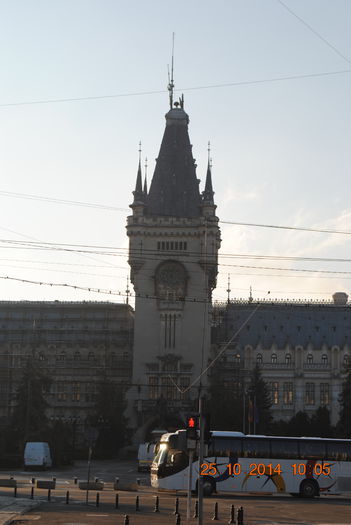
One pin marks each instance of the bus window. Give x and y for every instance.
(338, 451)
(312, 449)
(256, 448)
(225, 447)
(284, 448)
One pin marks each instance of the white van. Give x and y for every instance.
(37, 454)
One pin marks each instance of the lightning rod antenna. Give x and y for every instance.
(171, 80)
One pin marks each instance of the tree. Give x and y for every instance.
(320, 423)
(344, 425)
(29, 418)
(259, 402)
(108, 417)
(225, 408)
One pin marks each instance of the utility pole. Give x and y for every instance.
(201, 457)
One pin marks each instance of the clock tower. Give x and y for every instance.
(173, 246)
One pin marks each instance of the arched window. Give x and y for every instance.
(309, 359)
(288, 359)
(324, 359)
(274, 358)
(61, 357)
(259, 359)
(76, 356)
(346, 360)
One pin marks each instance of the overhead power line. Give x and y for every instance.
(43, 198)
(193, 88)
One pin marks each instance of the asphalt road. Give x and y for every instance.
(258, 510)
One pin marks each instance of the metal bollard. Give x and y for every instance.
(116, 480)
(97, 499)
(138, 481)
(240, 519)
(32, 493)
(67, 497)
(137, 503)
(232, 515)
(15, 492)
(177, 519)
(126, 519)
(176, 506)
(116, 502)
(157, 508)
(215, 514)
(49, 494)
(33, 481)
(75, 481)
(196, 509)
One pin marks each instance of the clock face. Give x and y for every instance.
(171, 281)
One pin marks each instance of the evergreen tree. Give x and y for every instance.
(225, 406)
(29, 418)
(320, 423)
(344, 425)
(108, 417)
(259, 410)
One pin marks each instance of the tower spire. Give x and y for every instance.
(170, 86)
(208, 193)
(138, 192)
(145, 178)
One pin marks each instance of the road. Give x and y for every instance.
(258, 510)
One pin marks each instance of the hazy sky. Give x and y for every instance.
(280, 148)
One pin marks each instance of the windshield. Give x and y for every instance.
(161, 454)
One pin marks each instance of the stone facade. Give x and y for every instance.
(173, 245)
(76, 342)
(301, 348)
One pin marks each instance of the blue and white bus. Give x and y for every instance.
(235, 462)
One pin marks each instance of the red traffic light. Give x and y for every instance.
(191, 422)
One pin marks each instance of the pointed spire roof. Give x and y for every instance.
(174, 189)
(138, 192)
(145, 179)
(208, 193)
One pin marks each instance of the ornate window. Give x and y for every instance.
(309, 394)
(346, 360)
(274, 392)
(309, 359)
(273, 358)
(259, 359)
(170, 281)
(288, 393)
(153, 387)
(324, 359)
(288, 359)
(324, 391)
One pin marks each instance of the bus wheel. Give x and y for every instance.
(208, 486)
(309, 488)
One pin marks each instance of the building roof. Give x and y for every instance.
(174, 190)
(282, 324)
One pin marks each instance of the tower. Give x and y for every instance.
(173, 246)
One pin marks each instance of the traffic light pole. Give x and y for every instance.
(201, 458)
(190, 476)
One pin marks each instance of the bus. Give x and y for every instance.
(235, 462)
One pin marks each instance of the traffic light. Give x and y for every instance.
(192, 425)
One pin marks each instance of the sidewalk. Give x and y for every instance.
(11, 508)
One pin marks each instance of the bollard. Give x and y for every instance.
(67, 497)
(116, 502)
(15, 492)
(97, 499)
(176, 506)
(75, 481)
(137, 503)
(11, 477)
(240, 520)
(49, 494)
(232, 515)
(177, 519)
(32, 493)
(196, 509)
(157, 509)
(33, 481)
(53, 478)
(215, 514)
(126, 519)
(138, 481)
(96, 480)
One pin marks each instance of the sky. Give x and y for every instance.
(267, 82)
